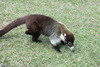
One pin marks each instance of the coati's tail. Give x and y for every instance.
(12, 25)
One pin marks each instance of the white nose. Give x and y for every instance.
(72, 48)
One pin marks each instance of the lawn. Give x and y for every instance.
(82, 17)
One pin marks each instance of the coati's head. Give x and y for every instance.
(69, 41)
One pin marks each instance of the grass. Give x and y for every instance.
(82, 17)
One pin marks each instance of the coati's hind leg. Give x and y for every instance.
(34, 30)
(55, 42)
(35, 38)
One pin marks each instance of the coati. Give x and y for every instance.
(40, 24)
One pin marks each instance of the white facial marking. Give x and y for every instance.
(62, 37)
(64, 34)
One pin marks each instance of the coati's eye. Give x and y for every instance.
(64, 34)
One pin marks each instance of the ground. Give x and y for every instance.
(82, 17)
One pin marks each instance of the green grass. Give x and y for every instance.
(82, 17)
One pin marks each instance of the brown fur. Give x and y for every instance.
(40, 24)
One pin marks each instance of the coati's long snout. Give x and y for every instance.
(71, 46)
(40, 24)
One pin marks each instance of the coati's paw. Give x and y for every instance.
(28, 33)
(57, 49)
(37, 41)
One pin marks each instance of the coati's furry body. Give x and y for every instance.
(40, 24)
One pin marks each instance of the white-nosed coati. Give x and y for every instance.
(40, 24)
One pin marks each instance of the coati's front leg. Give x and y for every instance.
(57, 48)
(63, 42)
(55, 44)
